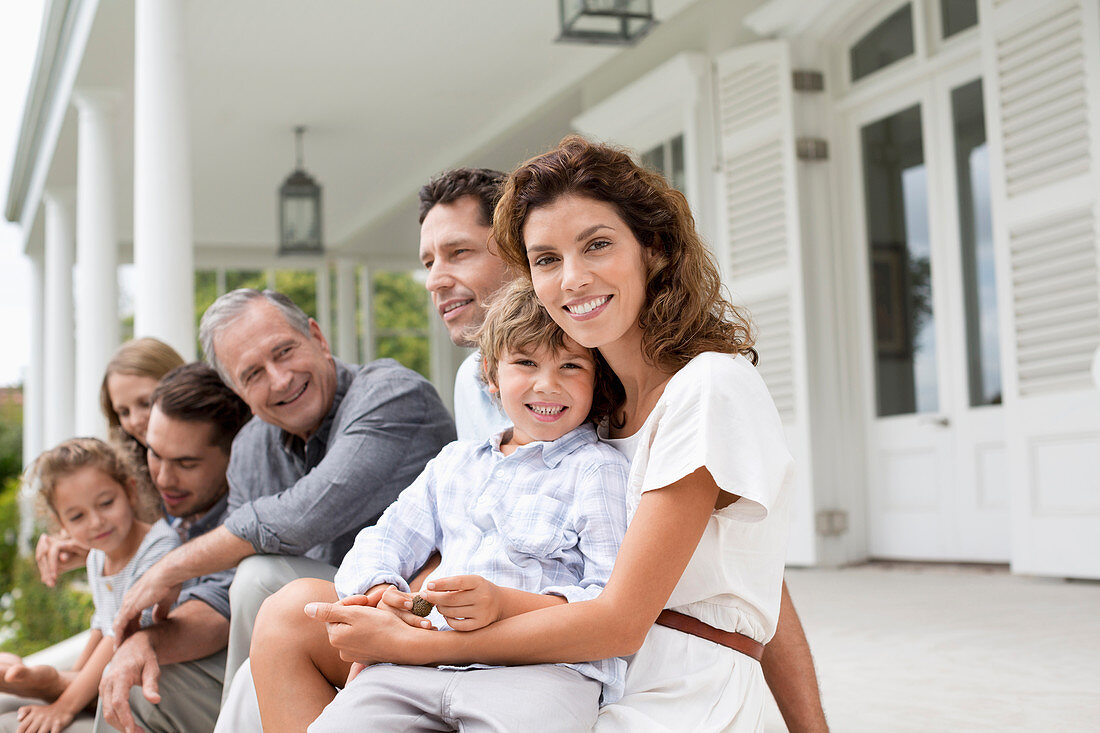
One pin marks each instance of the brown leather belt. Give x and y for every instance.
(695, 627)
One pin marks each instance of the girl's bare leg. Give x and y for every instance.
(41, 681)
(294, 667)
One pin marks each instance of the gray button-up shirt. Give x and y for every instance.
(289, 497)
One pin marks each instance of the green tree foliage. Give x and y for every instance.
(9, 531)
(255, 279)
(32, 616)
(11, 435)
(400, 307)
(300, 286)
(11, 463)
(206, 292)
(206, 287)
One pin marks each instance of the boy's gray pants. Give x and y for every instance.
(542, 697)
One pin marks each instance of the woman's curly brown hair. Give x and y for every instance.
(686, 311)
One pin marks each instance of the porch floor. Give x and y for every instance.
(920, 647)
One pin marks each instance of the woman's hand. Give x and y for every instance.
(43, 719)
(368, 635)
(400, 605)
(468, 602)
(388, 598)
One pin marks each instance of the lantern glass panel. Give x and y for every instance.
(298, 223)
(609, 21)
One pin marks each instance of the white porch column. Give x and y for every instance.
(164, 259)
(32, 380)
(57, 369)
(32, 398)
(97, 331)
(347, 341)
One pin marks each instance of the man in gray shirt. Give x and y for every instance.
(331, 446)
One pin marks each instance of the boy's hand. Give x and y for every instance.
(43, 719)
(468, 602)
(400, 605)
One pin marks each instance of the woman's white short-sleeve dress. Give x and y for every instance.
(715, 412)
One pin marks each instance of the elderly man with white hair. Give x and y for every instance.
(330, 447)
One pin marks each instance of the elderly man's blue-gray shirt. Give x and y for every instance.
(294, 497)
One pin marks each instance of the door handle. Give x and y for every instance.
(937, 420)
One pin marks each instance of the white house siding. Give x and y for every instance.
(1046, 239)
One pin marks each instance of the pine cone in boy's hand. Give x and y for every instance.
(421, 607)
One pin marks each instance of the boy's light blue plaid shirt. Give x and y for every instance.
(547, 519)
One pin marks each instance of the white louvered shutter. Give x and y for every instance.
(758, 204)
(1042, 70)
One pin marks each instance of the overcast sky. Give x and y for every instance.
(19, 24)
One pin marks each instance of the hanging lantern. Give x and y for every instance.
(299, 209)
(620, 22)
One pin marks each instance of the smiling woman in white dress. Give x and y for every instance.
(614, 257)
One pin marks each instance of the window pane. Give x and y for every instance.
(958, 15)
(976, 242)
(889, 41)
(655, 159)
(668, 160)
(678, 178)
(896, 198)
(126, 301)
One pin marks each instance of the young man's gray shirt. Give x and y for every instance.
(213, 589)
(289, 497)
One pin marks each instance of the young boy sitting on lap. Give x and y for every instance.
(530, 518)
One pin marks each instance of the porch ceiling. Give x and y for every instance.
(390, 92)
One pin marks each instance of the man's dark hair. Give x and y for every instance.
(195, 393)
(484, 184)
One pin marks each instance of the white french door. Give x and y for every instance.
(937, 482)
